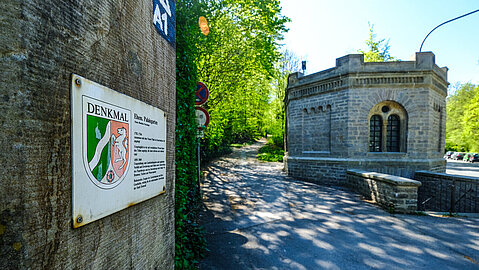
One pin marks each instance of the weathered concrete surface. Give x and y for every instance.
(42, 43)
(258, 218)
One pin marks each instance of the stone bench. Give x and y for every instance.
(397, 194)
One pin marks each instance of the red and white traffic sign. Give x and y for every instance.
(202, 93)
(202, 117)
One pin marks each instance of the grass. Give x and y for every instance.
(271, 153)
(239, 145)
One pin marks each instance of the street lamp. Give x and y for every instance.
(445, 23)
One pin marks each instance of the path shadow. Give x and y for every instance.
(258, 218)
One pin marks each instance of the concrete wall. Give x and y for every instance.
(328, 118)
(43, 42)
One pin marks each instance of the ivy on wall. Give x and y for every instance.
(190, 243)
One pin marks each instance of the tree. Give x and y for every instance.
(470, 122)
(274, 125)
(378, 50)
(462, 119)
(238, 61)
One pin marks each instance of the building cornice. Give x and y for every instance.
(351, 72)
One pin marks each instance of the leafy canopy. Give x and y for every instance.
(238, 60)
(378, 50)
(462, 127)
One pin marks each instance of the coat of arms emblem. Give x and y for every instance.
(106, 142)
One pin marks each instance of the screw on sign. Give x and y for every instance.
(202, 93)
(202, 117)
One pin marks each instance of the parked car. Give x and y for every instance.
(448, 154)
(457, 156)
(474, 158)
(467, 156)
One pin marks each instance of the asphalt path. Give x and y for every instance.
(258, 218)
(460, 167)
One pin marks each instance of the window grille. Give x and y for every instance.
(375, 133)
(393, 133)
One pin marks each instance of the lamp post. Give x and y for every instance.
(445, 23)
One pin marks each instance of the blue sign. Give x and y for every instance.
(164, 19)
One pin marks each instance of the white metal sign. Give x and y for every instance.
(202, 117)
(118, 151)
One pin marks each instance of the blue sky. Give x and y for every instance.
(323, 30)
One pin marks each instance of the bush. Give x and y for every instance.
(271, 153)
(278, 140)
(454, 147)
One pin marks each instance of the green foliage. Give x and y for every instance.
(237, 60)
(271, 152)
(454, 147)
(462, 128)
(274, 116)
(378, 50)
(190, 242)
(239, 145)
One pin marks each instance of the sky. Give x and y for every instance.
(322, 30)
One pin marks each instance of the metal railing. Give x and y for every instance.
(447, 193)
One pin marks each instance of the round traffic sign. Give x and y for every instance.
(202, 93)
(202, 117)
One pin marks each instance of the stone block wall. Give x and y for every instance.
(394, 193)
(43, 42)
(332, 171)
(328, 115)
(318, 170)
(326, 135)
(447, 192)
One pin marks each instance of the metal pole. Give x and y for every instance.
(453, 198)
(420, 48)
(199, 169)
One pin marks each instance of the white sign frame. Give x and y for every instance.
(129, 139)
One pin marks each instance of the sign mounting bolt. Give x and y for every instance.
(79, 218)
(78, 82)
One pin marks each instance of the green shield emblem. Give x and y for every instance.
(106, 144)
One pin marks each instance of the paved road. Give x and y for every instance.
(462, 168)
(258, 218)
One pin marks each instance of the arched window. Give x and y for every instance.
(388, 127)
(375, 133)
(393, 133)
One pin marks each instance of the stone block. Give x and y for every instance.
(382, 189)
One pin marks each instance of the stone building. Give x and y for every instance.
(388, 117)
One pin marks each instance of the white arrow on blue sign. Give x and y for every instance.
(164, 19)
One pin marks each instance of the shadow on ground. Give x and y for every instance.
(258, 218)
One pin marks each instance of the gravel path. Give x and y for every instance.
(258, 218)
